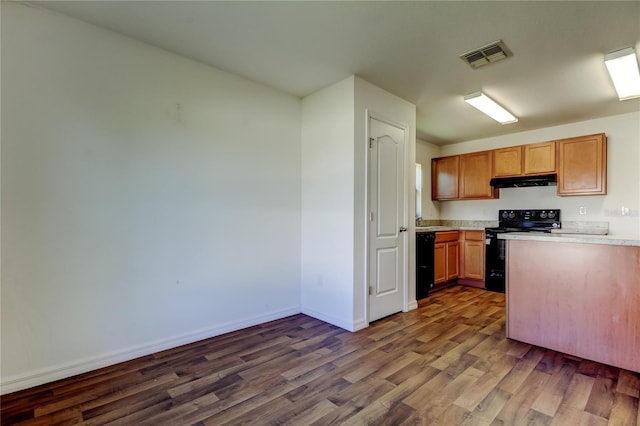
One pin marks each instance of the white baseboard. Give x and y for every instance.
(330, 319)
(50, 374)
(360, 324)
(413, 304)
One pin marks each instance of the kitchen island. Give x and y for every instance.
(576, 294)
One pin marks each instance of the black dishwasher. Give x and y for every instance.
(425, 242)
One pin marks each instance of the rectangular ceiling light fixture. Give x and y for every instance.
(487, 105)
(623, 68)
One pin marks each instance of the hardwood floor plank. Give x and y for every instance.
(381, 405)
(452, 415)
(516, 377)
(588, 419)
(398, 364)
(629, 383)
(518, 406)
(601, 397)
(267, 413)
(567, 415)
(536, 418)
(428, 390)
(317, 412)
(59, 418)
(491, 405)
(578, 391)
(554, 390)
(446, 363)
(623, 409)
(337, 416)
(437, 404)
(397, 414)
(112, 411)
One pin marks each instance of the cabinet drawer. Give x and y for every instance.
(474, 235)
(445, 236)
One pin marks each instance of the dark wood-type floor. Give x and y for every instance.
(446, 363)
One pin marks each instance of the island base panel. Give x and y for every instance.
(580, 299)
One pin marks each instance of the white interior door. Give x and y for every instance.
(387, 228)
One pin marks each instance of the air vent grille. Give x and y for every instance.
(485, 55)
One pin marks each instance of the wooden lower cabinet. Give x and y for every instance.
(447, 258)
(472, 258)
(459, 258)
(440, 263)
(453, 260)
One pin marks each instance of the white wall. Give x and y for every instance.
(334, 201)
(425, 151)
(623, 177)
(147, 200)
(370, 99)
(328, 204)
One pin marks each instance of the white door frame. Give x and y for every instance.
(405, 208)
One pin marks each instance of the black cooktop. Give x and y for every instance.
(528, 220)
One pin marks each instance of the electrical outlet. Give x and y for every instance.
(625, 211)
(583, 210)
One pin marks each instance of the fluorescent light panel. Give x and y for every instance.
(623, 68)
(488, 106)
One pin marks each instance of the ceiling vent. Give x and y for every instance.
(492, 52)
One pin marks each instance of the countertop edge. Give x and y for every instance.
(446, 228)
(612, 240)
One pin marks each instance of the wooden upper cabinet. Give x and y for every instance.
(533, 159)
(582, 165)
(507, 161)
(444, 178)
(540, 158)
(580, 162)
(475, 174)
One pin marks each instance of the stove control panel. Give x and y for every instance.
(549, 218)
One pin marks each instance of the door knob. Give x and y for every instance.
(403, 229)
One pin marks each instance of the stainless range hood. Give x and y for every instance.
(524, 181)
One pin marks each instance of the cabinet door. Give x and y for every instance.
(507, 161)
(444, 178)
(475, 174)
(453, 260)
(582, 163)
(473, 259)
(440, 263)
(540, 158)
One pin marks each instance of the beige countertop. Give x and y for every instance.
(612, 240)
(440, 228)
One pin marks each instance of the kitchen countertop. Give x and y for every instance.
(455, 225)
(612, 240)
(441, 228)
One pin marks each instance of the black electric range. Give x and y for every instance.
(512, 221)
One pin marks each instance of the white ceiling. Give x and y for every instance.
(411, 49)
